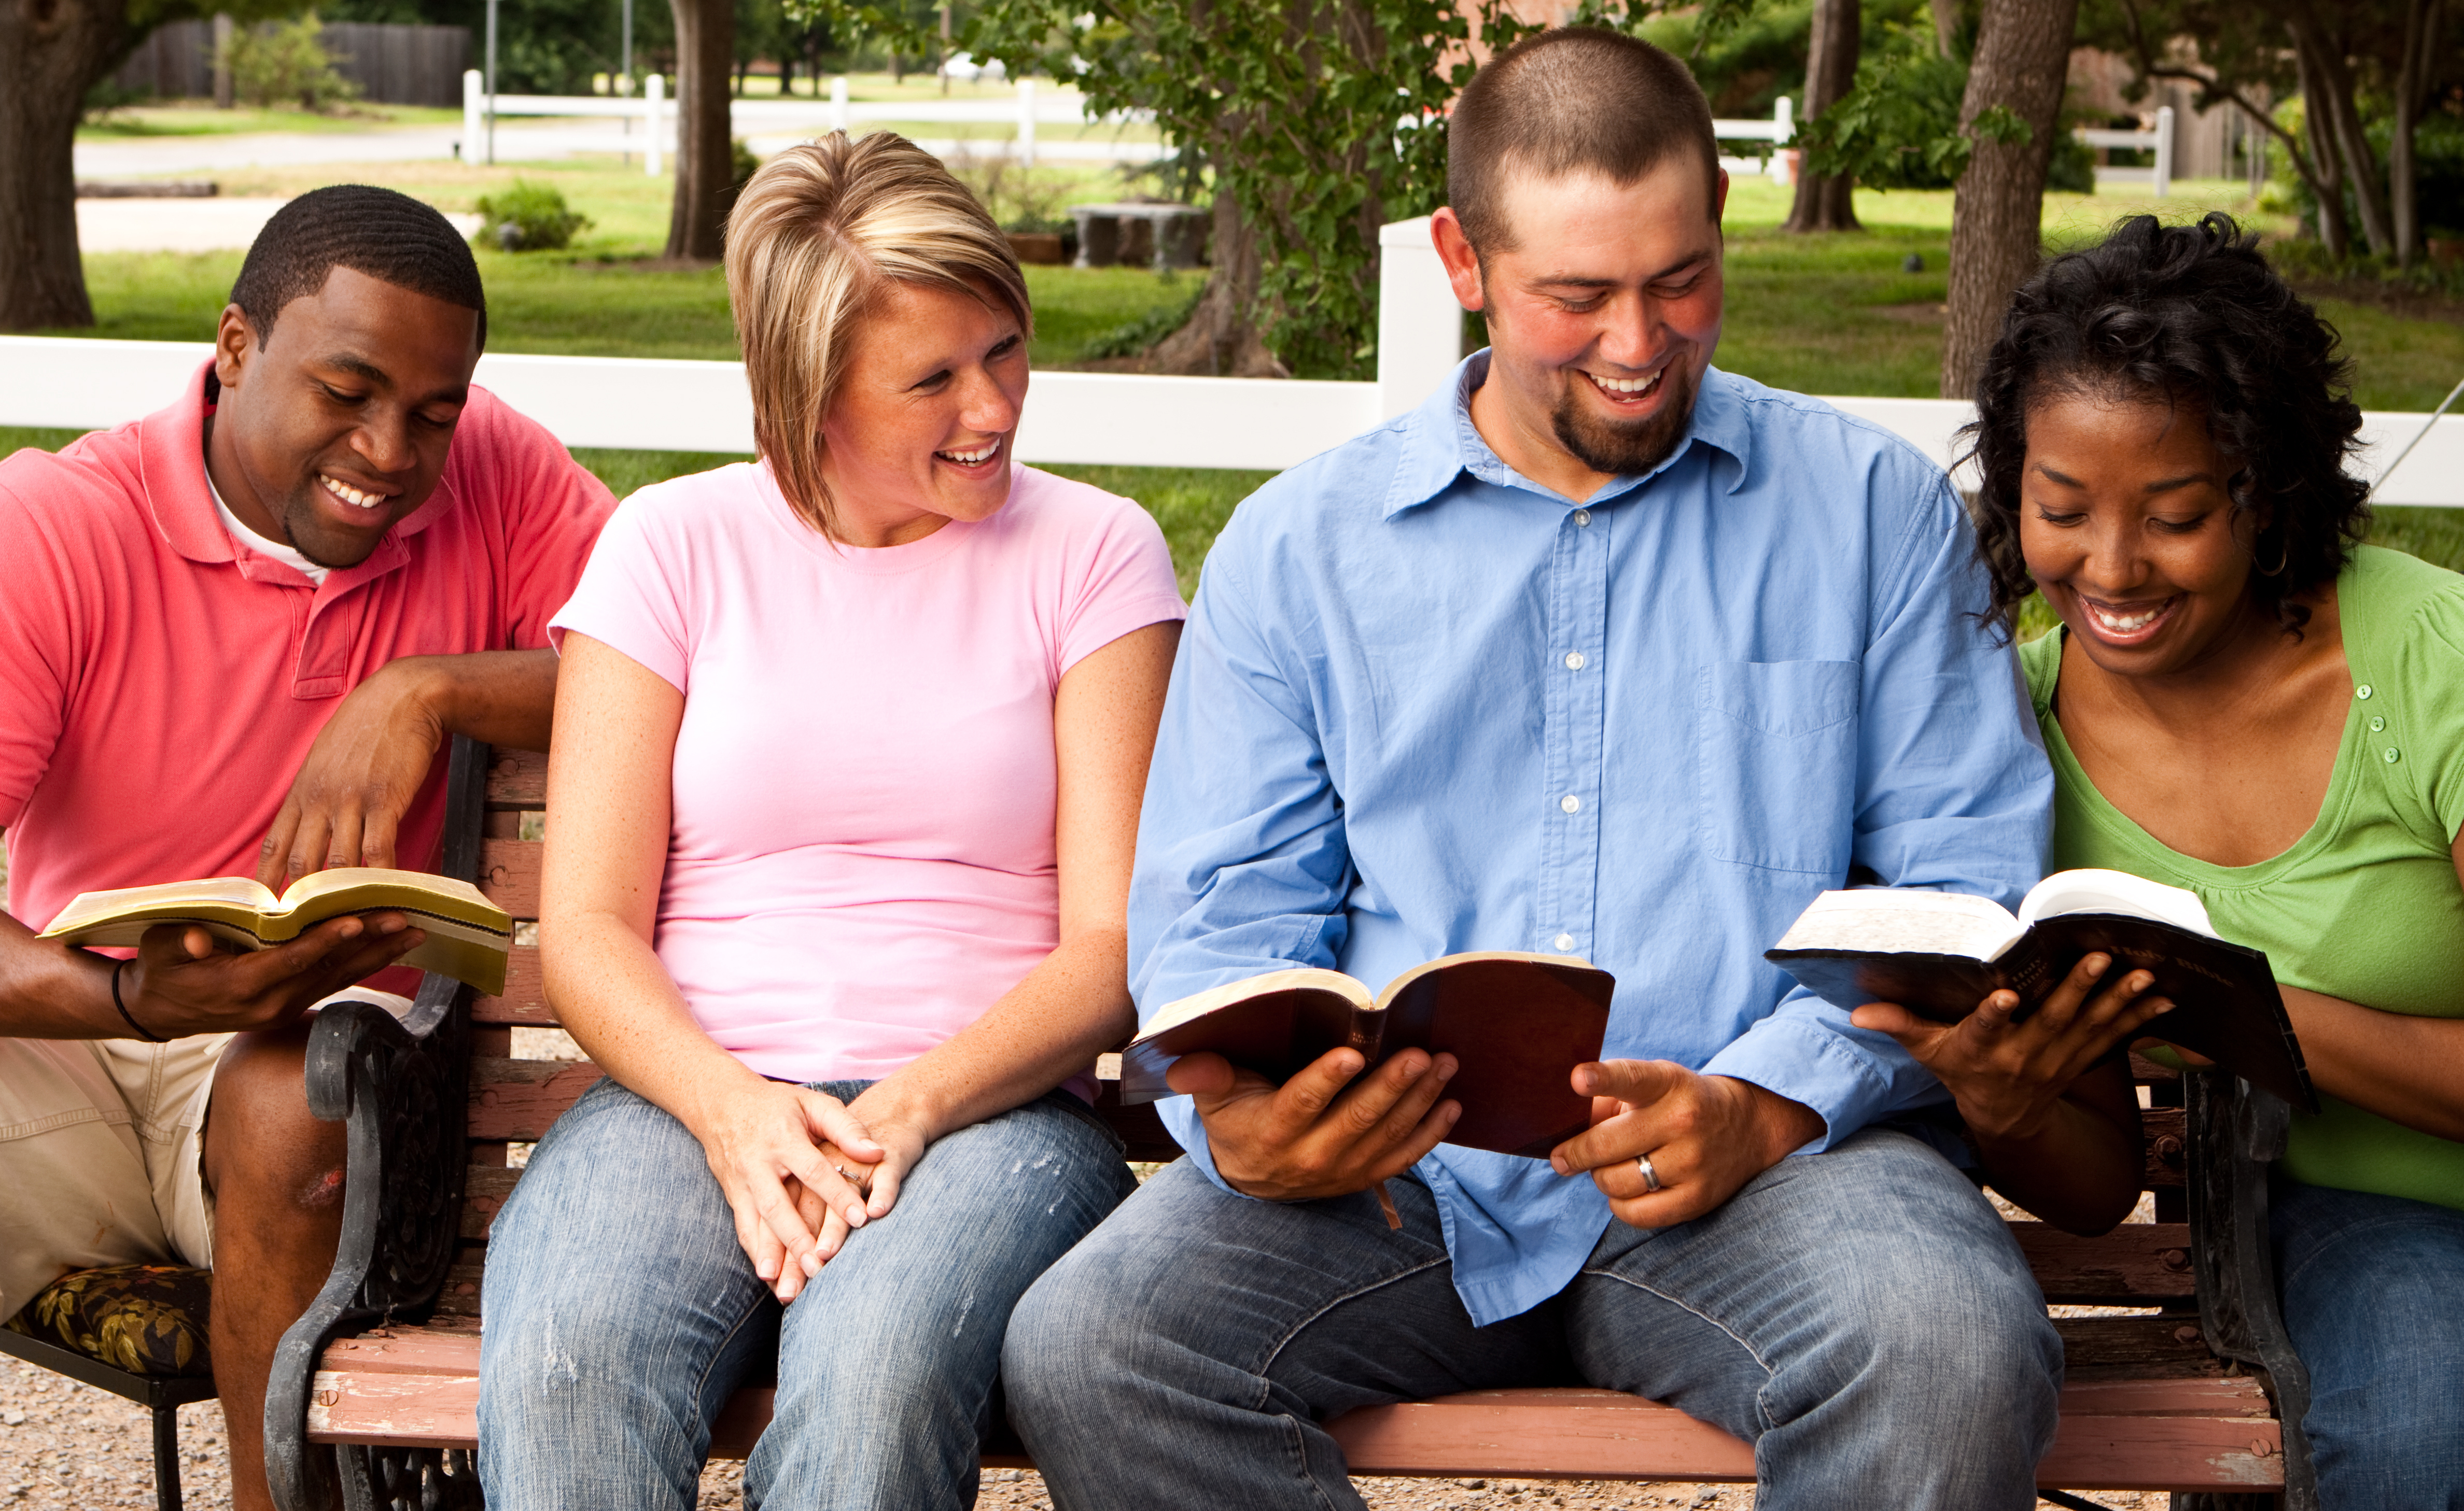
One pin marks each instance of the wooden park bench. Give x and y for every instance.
(2198, 1397)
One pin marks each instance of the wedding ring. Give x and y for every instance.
(844, 1174)
(1650, 1177)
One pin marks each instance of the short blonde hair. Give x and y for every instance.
(813, 238)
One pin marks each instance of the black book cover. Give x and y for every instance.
(2225, 1002)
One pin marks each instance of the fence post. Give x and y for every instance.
(1784, 156)
(1420, 325)
(838, 104)
(653, 90)
(2164, 150)
(471, 90)
(1026, 122)
(222, 60)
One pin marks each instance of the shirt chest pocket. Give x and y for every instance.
(1775, 763)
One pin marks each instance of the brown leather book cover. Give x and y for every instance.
(1517, 1025)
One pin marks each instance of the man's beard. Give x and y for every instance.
(1631, 449)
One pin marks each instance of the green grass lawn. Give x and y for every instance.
(198, 117)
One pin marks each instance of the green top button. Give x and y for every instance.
(2392, 756)
(2361, 691)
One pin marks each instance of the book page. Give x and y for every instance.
(1198, 1004)
(1903, 920)
(2100, 891)
(224, 899)
(1402, 983)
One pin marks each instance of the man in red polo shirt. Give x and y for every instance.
(233, 638)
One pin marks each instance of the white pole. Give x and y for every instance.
(1420, 325)
(1784, 128)
(471, 93)
(2164, 150)
(653, 89)
(1026, 122)
(491, 82)
(838, 104)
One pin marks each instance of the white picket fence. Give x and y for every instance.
(1106, 418)
(2161, 140)
(647, 122)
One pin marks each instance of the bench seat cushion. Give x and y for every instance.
(146, 1319)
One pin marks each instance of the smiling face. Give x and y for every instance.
(918, 431)
(2129, 531)
(1602, 318)
(337, 425)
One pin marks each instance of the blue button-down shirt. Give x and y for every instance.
(1425, 705)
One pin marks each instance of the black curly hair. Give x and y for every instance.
(386, 234)
(2193, 315)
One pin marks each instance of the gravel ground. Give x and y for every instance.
(73, 1448)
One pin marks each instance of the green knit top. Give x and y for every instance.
(2365, 905)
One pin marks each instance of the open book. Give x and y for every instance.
(1517, 1023)
(468, 935)
(1940, 954)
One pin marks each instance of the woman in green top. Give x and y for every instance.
(2243, 702)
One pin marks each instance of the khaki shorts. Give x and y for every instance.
(101, 1157)
(102, 1154)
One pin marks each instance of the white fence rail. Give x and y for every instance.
(2160, 140)
(649, 120)
(1104, 418)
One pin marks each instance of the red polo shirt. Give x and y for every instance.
(159, 685)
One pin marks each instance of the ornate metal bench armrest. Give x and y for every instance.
(2237, 1133)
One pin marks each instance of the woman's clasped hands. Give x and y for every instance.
(801, 1169)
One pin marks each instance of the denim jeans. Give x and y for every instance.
(2374, 1300)
(1861, 1316)
(620, 1314)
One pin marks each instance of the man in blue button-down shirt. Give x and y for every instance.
(1605, 652)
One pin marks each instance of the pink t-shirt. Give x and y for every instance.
(861, 858)
(160, 683)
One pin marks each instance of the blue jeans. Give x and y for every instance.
(2374, 1300)
(620, 1314)
(1862, 1317)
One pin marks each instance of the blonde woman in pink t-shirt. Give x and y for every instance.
(849, 747)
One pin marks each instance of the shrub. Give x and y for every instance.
(286, 63)
(528, 217)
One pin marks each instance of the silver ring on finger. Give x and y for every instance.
(1650, 1177)
(845, 1174)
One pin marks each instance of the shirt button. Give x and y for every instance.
(1574, 660)
(1583, 518)
(2361, 691)
(2392, 756)
(1574, 804)
(1564, 942)
(2377, 724)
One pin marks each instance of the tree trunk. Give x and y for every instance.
(1824, 203)
(1220, 338)
(2421, 19)
(1997, 212)
(1945, 27)
(705, 55)
(2325, 173)
(51, 52)
(2332, 108)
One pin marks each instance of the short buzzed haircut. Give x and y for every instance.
(1572, 99)
(390, 236)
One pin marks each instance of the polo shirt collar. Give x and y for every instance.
(172, 459)
(1440, 443)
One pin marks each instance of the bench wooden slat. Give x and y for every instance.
(517, 779)
(525, 999)
(2134, 1347)
(2141, 1437)
(2136, 1264)
(509, 873)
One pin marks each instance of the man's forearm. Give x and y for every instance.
(53, 990)
(502, 698)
